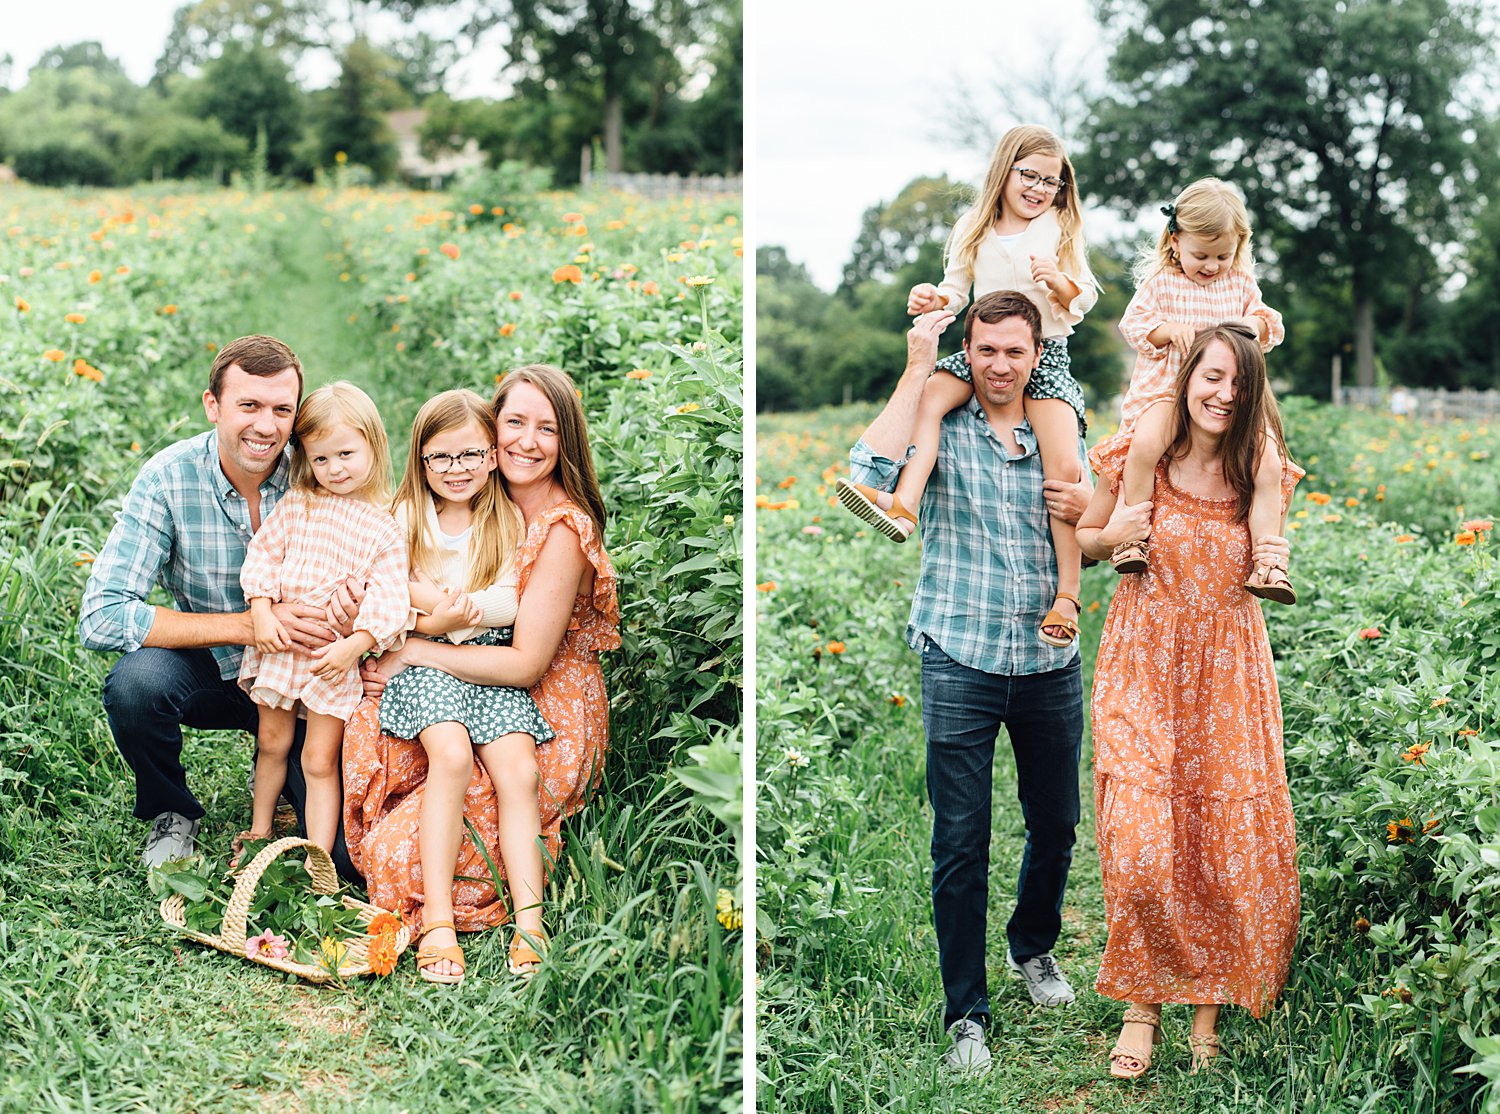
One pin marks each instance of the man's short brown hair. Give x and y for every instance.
(1000, 304)
(255, 355)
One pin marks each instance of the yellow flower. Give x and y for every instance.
(699, 280)
(728, 911)
(331, 953)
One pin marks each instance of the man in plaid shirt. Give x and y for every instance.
(184, 526)
(988, 576)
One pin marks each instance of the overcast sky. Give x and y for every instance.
(855, 100)
(134, 32)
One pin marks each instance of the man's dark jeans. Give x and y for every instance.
(962, 712)
(151, 694)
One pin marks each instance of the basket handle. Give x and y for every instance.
(325, 880)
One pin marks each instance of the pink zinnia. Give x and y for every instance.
(267, 946)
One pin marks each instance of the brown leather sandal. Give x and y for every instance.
(1205, 1049)
(430, 957)
(524, 960)
(1128, 1061)
(1129, 557)
(1056, 618)
(860, 499)
(1270, 583)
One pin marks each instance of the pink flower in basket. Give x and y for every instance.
(267, 946)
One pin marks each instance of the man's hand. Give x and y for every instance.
(922, 338)
(924, 298)
(344, 606)
(306, 626)
(1067, 500)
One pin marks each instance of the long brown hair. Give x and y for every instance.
(1021, 142)
(1255, 413)
(575, 461)
(495, 521)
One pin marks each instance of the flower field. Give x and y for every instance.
(111, 305)
(1389, 669)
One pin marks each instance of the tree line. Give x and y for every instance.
(1360, 132)
(654, 84)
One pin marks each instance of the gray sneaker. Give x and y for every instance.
(172, 836)
(1044, 980)
(967, 1055)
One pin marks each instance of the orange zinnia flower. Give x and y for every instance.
(768, 586)
(382, 922)
(898, 700)
(508, 328)
(1464, 537)
(572, 218)
(477, 210)
(638, 373)
(1402, 539)
(1478, 525)
(74, 318)
(23, 305)
(1415, 753)
(650, 288)
(169, 309)
(81, 368)
(1370, 632)
(1401, 831)
(836, 647)
(95, 276)
(567, 273)
(788, 482)
(56, 355)
(515, 295)
(382, 953)
(450, 250)
(1319, 498)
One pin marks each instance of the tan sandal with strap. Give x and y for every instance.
(1205, 1049)
(1056, 618)
(524, 960)
(861, 500)
(1123, 1056)
(430, 957)
(1270, 583)
(1130, 557)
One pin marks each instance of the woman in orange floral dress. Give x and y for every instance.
(1194, 822)
(568, 613)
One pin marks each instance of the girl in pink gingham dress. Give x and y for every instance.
(1200, 273)
(331, 526)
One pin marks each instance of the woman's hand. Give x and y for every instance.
(375, 673)
(1127, 523)
(1272, 551)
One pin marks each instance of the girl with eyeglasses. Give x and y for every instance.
(462, 532)
(1199, 273)
(1024, 233)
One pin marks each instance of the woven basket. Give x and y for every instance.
(325, 880)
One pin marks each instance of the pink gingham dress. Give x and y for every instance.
(1169, 295)
(308, 546)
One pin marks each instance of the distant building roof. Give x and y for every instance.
(406, 125)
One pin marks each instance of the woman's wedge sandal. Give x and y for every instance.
(1056, 618)
(430, 957)
(1127, 1061)
(1129, 557)
(860, 500)
(1205, 1049)
(1270, 583)
(524, 960)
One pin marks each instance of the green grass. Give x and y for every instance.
(850, 1001)
(104, 1008)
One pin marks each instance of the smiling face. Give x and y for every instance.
(254, 414)
(1205, 259)
(526, 437)
(462, 482)
(1002, 356)
(340, 459)
(1028, 202)
(1211, 390)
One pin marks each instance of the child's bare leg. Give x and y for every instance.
(273, 742)
(322, 767)
(511, 763)
(941, 393)
(1055, 424)
(450, 766)
(1148, 444)
(1266, 521)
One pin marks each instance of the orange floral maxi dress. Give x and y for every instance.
(1194, 822)
(383, 776)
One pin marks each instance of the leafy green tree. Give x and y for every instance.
(896, 234)
(422, 63)
(74, 98)
(200, 29)
(350, 117)
(1346, 123)
(249, 89)
(168, 144)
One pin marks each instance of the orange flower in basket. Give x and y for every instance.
(382, 953)
(383, 922)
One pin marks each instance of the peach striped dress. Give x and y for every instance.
(383, 775)
(1167, 296)
(1194, 822)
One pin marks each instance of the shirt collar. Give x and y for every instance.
(274, 484)
(1025, 437)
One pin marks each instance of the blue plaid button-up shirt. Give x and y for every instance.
(185, 527)
(988, 567)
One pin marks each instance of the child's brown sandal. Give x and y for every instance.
(860, 500)
(1056, 618)
(1270, 583)
(525, 960)
(430, 957)
(1129, 557)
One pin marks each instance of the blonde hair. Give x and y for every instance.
(338, 404)
(1021, 142)
(496, 523)
(575, 461)
(1208, 208)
